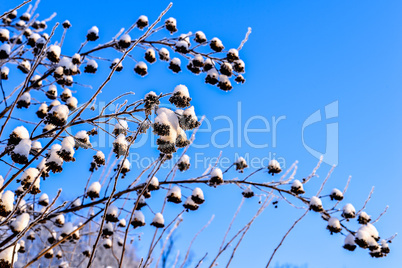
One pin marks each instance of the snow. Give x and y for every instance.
(20, 223)
(76, 203)
(108, 227)
(54, 103)
(26, 65)
(315, 201)
(26, 97)
(107, 243)
(182, 45)
(55, 49)
(171, 21)
(217, 172)
(185, 159)
(350, 240)
(60, 219)
(82, 136)
(7, 254)
(175, 192)
(143, 19)
(26, 16)
(60, 112)
(234, 52)
(76, 57)
(68, 143)
(139, 216)
(66, 94)
(190, 203)
(224, 79)
(34, 37)
(126, 164)
(44, 198)
(200, 36)
(122, 223)
(94, 30)
(334, 223)
(120, 145)
(363, 235)
(364, 215)
(348, 211)
(4, 34)
(67, 229)
(93, 64)
(164, 54)
(121, 125)
(182, 90)
(336, 193)
(7, 201)
(72, 102)
(141, 65)
(100, 155)
(66, 63)
(274, 165)
(371, 230)
(197, 192)
(158, 219)
(150, 52)
(30, 175)
(239, 66)
(125, 38)
(95, 187)
(23, 148)
(297, 185)
(176, 61)
(213, 74)
(113, 211)
(5, 70)
(154, 182)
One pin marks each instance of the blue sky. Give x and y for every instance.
(301, 56)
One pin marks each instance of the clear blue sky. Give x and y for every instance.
(301, 56)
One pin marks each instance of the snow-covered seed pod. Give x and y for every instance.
(348, 211)
(107, 243)
(316, 204)
(174, 195)
(20, 223)
(31, 235)
(274, 167)
(24, 66)
(21, 151)
(52, 237)
(68, 80)
(349, 243)
(248, 192)
(32, 39)
(216, 177)
(297, 187)
(334, 226)
(370, 228)
(224, 83)
(198, 196)
(112, 214)
(47, 128)
(373, 245)
(385, 247)
(6, 203)
(9, 256)
(153, 184)
(24, 101)
(142, 22)
(36, 81)
(181, 140)
(141, 68)
(58, 75)
(57, 115)
(12, 15)
(4, 73)
(208, 65)
(184, 163)
(25, 17)
(192, 68)
(115, 62)
(72, 103)
(174, 65)
(190, 204)
(43, 200)
(151, 101)
(16, 39)
(94, 190)
(120, 242)
(76, 203)
(181, 47)
(93, 34)
(181, 97)
(64, 264)
(240, 164)
(138, 219)
(66, 94)
(22, 246)
(336, 194)
(67, 149)
(240, 79)
(166, 144)
(212, 77)
(107, 230)
(91, 67)
(120, 145)
(66, 24)
(86, 251)
(54, 162)
(233, 55)
(141, 203)
(362, 238)
(171, 25)
(161, 126)
(59, 220)
(36, 147)
(27, 32)
(376, 253)
(82, 140)
(98, 161)
(76, 59)
(4, 35)
(226, 69)
(363, 218)
(53, 53)
(122, 223)
(18, 134)
(216, 44)
(120, 127)
(19, 191)
(38, 25)
(158, 221)
(200, 37)
(51, 93)
(59, 255)
(150, 55)
(164, 54)
(239, 66)
(124, 41)
(28, 177)
(126, 167)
